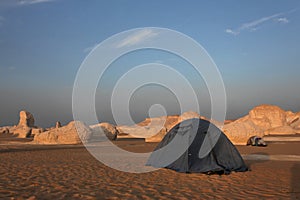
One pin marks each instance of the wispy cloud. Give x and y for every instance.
(136, 38)
(14, 3)
(230, 31)
(252, 26)
(28, 2)
(90, 48)
(283, 20)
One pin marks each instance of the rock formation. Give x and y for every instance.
(282, 130)
(26, 119)
(22, 132)
(188, 115)
(109, 130)
(57, 125)
(151, 128)
(73, 133)
(241, 130)
(4, 130)
(262, 120)
(35, 131)
(154, 129)
(25, 125)
(140, 131)
(268, 116)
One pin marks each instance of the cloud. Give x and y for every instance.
(29, 2)
(15, 3)
(283, 20)
(136, 38)
(90, 48)
(252, 26)
(230, 31)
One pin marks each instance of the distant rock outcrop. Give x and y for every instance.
(188, 115)
(171, 121)
(158, 136)
(22, 131)
(148, 128)
(294, 121)
(57, 125)
(241, 130)
(107, 129)
(4, 130)
(154, 129)
(282, 130)
(35, 131)
(65, 135)
(26, 119)
(140, 131)
(268, 116)
(25, 125)
(262, 120)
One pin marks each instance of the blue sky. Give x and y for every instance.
(255, 45)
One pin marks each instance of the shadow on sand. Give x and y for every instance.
(22, 148)
(295, 181)
(251, 160)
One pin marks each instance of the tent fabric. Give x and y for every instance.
(256, 141)
(197, 146)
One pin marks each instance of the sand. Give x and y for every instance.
(70, 172)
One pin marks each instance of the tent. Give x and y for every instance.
(196, 145)
(256, 141)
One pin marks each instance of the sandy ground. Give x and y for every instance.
(70, 172)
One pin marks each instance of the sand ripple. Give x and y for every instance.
(73, 173)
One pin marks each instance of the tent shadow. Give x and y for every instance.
(295, 181)
(253, 159)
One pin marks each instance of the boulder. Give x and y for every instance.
(268, 116)
(73, 133)
(107, 129)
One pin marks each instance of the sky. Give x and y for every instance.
(255, 45)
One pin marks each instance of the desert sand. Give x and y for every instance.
(70, 172)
